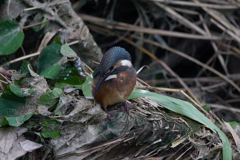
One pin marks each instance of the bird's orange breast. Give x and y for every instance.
(115, 90)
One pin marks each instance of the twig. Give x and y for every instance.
(5, 78)
(74, 42)
(217, 106)
(2, 70)
(24, 53)
(36, 24)
(220, 58)
(185, 3)
(29, 9)
(193, 60)
(33, 8)
(24, 57)
(47, 37)
(142, 68)
(8, 6)
(181, 19)
(221, 19)
(128, 27)
(97, 63)
(3, 82)
(233, 100)
(143, 82)
(233, 35)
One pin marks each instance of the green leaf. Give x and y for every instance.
(188, 110)
(57, 40)
(17, 91)
(86, 87)
(47, 122)
(10, 104)
(206, 107)
(49, 56)
(234, 124)
(24, 68)
(21, 92)
(11, 37)
(3, 122)
(52, 71)
(51, 97)
(31, 91)
(25, 71)
(51, 134)
(44, 123)
(69, 76)
(67, 51)
(17, 121)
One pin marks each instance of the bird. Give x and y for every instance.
(114, 79)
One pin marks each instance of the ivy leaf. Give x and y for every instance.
(11, 37)
(21, 92)
(17, 121)
(50, 61)
(52, 71)
(67, 51)
(69, 77)
(48, 57)
(10, 104)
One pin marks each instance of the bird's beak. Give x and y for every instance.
(100, 81)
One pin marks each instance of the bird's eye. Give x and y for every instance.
(110, 69)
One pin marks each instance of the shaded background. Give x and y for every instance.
(206, 31)
(221, 54)
(188, 45)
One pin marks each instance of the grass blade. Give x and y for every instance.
(188, 110)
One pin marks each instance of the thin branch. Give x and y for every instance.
(36, 24)
(193, 60)
(24, 57)
(191, 4)
(128, 27)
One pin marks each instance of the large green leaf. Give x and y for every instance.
(48, 57)
(21, 92)
(188, 110)
(10, 104)
(68, 77)
(17, 121)
(52, 71)
(11, 37)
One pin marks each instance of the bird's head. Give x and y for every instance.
(115, 60)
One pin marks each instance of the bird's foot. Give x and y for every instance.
(109, 115)
(126, 106)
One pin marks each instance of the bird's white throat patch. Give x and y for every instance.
(126, 63)
(111, 77)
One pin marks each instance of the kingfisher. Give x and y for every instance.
(114, 79)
